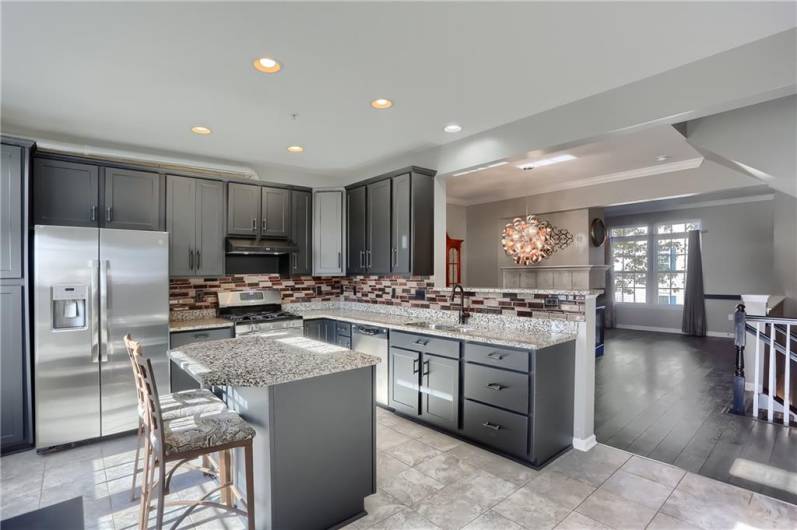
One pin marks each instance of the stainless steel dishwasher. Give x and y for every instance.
(373, 340)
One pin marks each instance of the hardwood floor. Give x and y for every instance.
(666, 396)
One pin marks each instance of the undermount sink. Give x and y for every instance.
(440, 327)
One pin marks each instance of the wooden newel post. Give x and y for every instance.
(739, 341)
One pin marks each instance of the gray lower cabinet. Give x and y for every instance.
(502, 430)
(301, 232)
(243, 209)
(14, 368)
(356, 230)
(440, 391)
(404, 385)
(131, 199)
(275, 215)
(11, 216)
(378, 253)
(195, 221)
(65, 193)
(313, 329)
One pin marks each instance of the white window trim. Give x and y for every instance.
(652, 288)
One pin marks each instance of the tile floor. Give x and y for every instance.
(430, 480)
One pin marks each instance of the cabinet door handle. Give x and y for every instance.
(339, 263)
(198, 260)
(495, 355)
(425, 368)
(495, 386)
(362, 253)
(265, 225)
(415, 365)
(108, 214)
(492, 426)
(190, 259)
(93, 212)
(254, 225)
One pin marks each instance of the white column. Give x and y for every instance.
(584, 398)
(754, 305)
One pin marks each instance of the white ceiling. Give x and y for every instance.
(616, 157)
(141, 74)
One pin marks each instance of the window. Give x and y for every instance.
(630, 263)
(671, 251)
(635, 272)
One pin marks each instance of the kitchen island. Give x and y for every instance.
(312, 407)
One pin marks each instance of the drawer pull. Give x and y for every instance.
(425, 368)
(492, 426)
(415, 365)
(496, 355)
(495, 386)
(422, 342)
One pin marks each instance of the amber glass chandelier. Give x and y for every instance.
(530, 240)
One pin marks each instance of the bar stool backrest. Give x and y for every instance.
(147, 392)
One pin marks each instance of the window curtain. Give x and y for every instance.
(608, 315)
(694, 317)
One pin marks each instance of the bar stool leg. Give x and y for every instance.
(225, 477)
(138, 454)
(161, 493)
(146, 484)
(250, 485)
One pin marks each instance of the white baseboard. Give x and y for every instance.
(720, 334)
(584, 444)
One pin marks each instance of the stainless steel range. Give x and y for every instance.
(259, 312)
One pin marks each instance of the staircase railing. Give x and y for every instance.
(773, 339)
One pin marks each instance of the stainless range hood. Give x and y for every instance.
(259, 247)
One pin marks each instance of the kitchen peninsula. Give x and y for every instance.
(312, 407)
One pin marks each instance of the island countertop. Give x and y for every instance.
(255, 361)
(533, 337)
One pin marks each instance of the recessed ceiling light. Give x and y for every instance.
(199, 129)
(296, 149)
(381, 103)
(267, 65)
(452, 128)
(662, 158)
(546, 162)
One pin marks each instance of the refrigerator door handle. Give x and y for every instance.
(105, 311)
(93, 315)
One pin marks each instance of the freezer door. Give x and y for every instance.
(66, 334)
(134, 299)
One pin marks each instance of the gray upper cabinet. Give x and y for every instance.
(195, 221)
(328, 232)
(378, 207)
(275, 217)
(398, 223)
(243, 209)
(13, 368)
(181, 224)
(356, 230)
(400, 236)
(11, 217)
(209, 227)
(301, 231)
(132, 199)
(65, 193)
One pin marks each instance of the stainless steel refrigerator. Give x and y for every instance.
(92, 286)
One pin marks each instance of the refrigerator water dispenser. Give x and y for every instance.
(69, 306)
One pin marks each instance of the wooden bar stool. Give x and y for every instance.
(174, 405)
(186, 438)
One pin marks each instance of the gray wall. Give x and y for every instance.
(485, 255)
(785, 251)
(737, 258)
(456, 227)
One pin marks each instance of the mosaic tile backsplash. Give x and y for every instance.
(192, 296)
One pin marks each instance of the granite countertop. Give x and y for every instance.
(199, 323)
(535, 338)
(255, 361)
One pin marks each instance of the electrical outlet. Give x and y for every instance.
(730, 316)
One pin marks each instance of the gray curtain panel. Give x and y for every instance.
(608, 316)
(694, 318)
